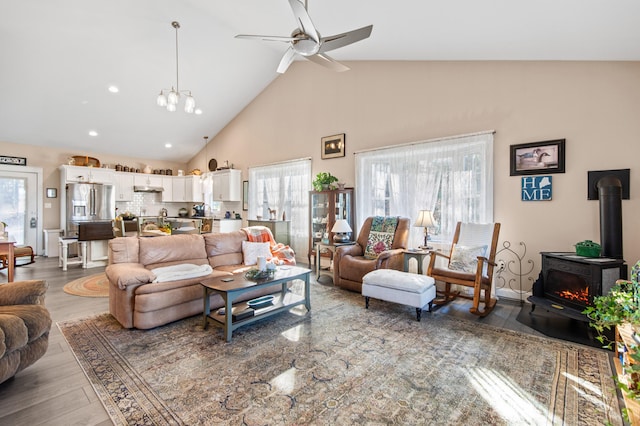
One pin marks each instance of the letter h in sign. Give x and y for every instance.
(536, 188)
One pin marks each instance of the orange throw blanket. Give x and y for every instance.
(281, 254)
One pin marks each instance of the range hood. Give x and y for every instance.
(146, 188)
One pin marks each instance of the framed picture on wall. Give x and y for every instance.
(538, 158)
(333, 146)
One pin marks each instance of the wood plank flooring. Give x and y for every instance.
(55, 391)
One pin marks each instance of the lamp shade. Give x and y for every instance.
(425, 219)
(341, 225)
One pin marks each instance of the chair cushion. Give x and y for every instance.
(405, 281)
(465, 258)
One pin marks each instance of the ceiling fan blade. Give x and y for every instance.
(344, 39)
(286, 60)
(304, 20)
(327, 61)
(286, 39)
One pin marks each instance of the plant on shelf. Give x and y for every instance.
(324, 181)
(621, 307)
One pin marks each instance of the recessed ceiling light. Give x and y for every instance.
(113, 89)
(198, 111)
(167, 145)
(93, 133)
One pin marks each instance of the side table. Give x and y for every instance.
(332, 248)
(418, 255)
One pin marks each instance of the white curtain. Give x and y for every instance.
(453, 177)
(284, 187)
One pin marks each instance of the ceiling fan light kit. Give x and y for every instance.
(306, 41)
(172, 97)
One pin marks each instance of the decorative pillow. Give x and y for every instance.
(251, 251)
(377, 243)
(465, 258)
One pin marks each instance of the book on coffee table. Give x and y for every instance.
(240, 315)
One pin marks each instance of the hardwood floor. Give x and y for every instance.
(55, 391)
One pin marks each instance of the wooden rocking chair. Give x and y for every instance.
(470, 263)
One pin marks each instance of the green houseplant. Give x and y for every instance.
(323, 181)
(621, 306)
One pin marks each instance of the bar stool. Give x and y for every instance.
(63, 260)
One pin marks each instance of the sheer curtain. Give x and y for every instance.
(284, 187)
(453, 177)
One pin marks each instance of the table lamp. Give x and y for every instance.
(340, 231)
(425, 220)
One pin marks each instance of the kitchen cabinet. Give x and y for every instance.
(86, 174)
(325, 207)
(226, 225)
(147, 180)
(227, 185)
(167, 185)
(124, 186)
(281, 229)
(187, 189)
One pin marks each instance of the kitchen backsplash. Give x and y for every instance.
(150, 204)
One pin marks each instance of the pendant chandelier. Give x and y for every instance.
(172, 97)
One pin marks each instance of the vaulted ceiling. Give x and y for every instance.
(59, 57)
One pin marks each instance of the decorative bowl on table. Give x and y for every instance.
(261, 302)
(256, 274)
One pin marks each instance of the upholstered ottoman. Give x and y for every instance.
(399, 287)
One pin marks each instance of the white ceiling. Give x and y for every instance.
(58, 57)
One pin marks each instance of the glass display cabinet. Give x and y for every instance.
(325, 207)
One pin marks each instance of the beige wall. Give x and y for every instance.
(50, 159)
(593, 105)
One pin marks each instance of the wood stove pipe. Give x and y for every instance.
(610, 196)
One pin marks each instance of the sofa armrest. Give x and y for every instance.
(125, 274)
(30, 292)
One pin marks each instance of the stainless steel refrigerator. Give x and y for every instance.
(88, 202)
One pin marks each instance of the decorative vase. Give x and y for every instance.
(147, 169)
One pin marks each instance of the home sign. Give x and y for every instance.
(536, 188)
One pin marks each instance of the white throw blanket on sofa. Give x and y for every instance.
(180, 272)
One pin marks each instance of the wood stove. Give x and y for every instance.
(568, 282)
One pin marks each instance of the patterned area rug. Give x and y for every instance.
(96, 285)
(341, 364)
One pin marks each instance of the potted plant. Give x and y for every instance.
(324, 181)
(621, 308)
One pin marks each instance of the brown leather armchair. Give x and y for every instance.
(350, 265)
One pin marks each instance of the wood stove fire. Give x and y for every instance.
(568, 282)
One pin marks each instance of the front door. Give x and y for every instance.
(19, 204)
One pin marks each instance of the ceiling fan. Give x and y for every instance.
(306, 41)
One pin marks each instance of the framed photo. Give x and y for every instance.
(538, 158)
(245, 195)
(52, 193)
(333, 146)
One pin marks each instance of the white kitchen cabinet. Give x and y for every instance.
(124, 186)
(167, 185)
(86, 174)
(187, 188)
(227, 185)
(147, 180)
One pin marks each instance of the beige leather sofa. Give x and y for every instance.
(135, 301)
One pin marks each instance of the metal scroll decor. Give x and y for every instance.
(510, 273)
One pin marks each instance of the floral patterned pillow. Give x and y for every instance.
(465, 258)
(377, 243)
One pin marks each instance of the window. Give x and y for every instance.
(284, 187)
(453, 177)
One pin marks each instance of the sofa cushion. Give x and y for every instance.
(218, 244)
(251, 252)
(172, 248)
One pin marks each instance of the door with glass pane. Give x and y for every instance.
(19, 207)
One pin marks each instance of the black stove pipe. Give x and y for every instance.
(610, 196)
